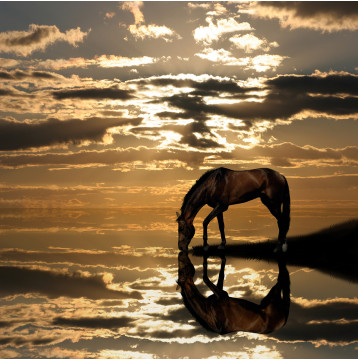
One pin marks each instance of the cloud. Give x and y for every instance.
(110, 15)
(153, 31)
(223, 57)
(17, 280)
(19, 75)
(213, 31)
(120, 257)
(103, 61)
(290, 152)
(112, 93)
(8, 63)
(260, 63)
(141, 31)
(196, 134)
(22, 135)
(201, 85)
(332, 83)
(325, 17)
(216, 9)
(125, 158)
(333, 322)
(250, 42)
(265, 62)
(287, 97)
(199, 136)
(6, 92)
(58, 64)
(134, 8)
(37, 38)
(20, 341)
(122, 61)
(94, 323)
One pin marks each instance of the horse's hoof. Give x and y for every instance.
(280, 248)
(206, 248)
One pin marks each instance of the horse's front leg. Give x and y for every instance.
(219, 209)
(216, 289)
(220, 218)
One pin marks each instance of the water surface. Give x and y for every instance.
(102, 284)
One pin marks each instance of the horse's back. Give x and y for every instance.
(242, 315)
(226, 186)
(242, 186)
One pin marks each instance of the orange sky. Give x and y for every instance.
(128, 105)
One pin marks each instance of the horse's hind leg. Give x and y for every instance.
(282, 232)
(275, 210)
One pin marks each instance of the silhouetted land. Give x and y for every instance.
(333, 250)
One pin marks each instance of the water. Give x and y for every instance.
(102, 284)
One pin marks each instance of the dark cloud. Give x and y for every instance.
(331, 84)
(22, 135)
(330, 16)
(189, 138)
(312, 9)
(199, 143)
(207, 87)
(4, 324)
(222, 86)
(5, 75)
(15, 280)
(113, 93)
(193, 106)
(37, 37)
(334, 321)
(94, 323)
(21, 75)
(23, 340)
(6, 92)
(187, 132)
(287, 96)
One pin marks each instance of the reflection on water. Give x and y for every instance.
(224, 314)
(102, 284)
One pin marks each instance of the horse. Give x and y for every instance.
(223, 314)
(222, 187)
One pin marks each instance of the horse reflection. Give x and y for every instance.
(223, 314)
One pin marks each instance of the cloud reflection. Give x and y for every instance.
(20, 280)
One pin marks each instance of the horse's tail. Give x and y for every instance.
(286, 205)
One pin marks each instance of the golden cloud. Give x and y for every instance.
(38, 37)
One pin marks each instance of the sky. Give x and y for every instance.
(125, 104)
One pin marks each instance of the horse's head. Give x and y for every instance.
(186, 269)
(186, 232)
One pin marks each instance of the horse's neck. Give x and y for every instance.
(192, 208)
(199, 304)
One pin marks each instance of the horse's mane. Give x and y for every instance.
(199, 182)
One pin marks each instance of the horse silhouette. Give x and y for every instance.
(223, 314)
(222, 187)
